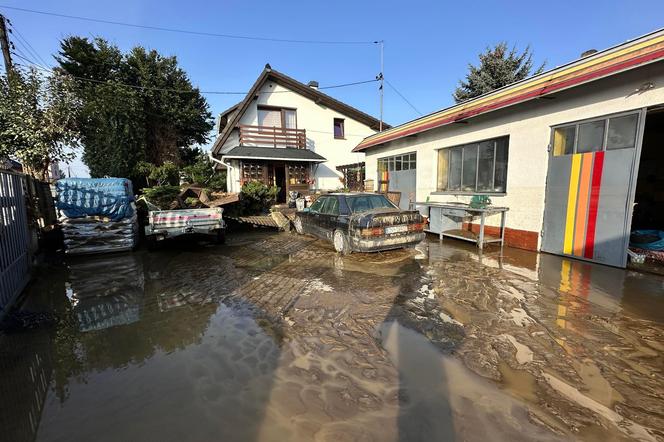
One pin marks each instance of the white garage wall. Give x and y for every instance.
(528, 126)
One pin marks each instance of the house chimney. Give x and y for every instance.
(588, 52)
(313, 84)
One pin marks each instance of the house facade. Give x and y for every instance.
(290, 134)
(575, 153)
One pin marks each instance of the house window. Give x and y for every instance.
(252, 172)
(608, 133)
(277, 117)
(339, 128)
(398, 162)
(298, 174)
(474, 168)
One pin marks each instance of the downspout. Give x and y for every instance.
(229, 168)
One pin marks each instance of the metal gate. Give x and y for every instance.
(590, 188)
(14, 238)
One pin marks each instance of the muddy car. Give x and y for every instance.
(360, 222)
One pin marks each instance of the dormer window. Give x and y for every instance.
(339, 132)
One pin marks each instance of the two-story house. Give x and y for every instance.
(291, 135)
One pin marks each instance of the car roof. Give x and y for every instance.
(351, 194)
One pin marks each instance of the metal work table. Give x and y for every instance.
(446, 219)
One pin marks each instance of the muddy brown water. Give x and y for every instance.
(274, 337)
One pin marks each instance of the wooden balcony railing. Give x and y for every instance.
(265, 136)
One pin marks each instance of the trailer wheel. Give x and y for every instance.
(341, 243)
(152, 242)
(220, 237)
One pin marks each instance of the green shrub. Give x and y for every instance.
(257, 197)
(202, 172)
(161, 196)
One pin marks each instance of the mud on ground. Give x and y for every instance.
(276, 337)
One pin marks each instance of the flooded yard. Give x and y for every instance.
(274, 337)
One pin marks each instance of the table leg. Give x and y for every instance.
(440, 235)
(502, 229)
(481, 239)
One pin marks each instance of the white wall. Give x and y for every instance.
(529, 128)
(317, 120)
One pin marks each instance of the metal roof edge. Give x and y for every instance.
(644, 38)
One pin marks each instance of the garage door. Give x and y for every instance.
(590, 187)
(398, 174)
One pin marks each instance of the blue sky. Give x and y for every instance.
(427, 44)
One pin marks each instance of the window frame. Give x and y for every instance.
(281, 109)
(334, 202)
(461, 147)
(390, 161)
(343, 128)
(607, 120)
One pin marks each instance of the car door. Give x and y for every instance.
(328, 216)
(313, 221)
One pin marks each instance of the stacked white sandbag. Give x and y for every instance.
(97, 215)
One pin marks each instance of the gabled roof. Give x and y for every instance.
(626, 56)
(230, 109)
(315, 95)
(271, 153)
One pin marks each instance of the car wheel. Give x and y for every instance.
(340, 243)
(298, 225)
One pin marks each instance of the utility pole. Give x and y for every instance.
(4, 44)
(379, 77)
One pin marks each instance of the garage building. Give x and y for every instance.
(575, 153)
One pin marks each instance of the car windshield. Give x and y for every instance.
(362, 203)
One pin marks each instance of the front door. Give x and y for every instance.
(590, 188)
(280, 181)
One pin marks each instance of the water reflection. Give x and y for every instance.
(278, 338)
(98, 304)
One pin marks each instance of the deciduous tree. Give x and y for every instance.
(38, 117)
(138, 106)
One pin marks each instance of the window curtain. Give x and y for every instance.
(290, 119)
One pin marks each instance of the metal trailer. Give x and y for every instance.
(164, 224)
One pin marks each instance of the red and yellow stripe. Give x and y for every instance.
(582, 203)
(628, 56)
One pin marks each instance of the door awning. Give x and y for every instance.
(271, 153)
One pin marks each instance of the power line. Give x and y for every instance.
(26, 55)
(185, 31)
(33, 52)
(183, 91)
(402, 97)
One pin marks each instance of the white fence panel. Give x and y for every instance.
(14, 238)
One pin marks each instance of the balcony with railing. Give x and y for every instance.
(264, 136)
